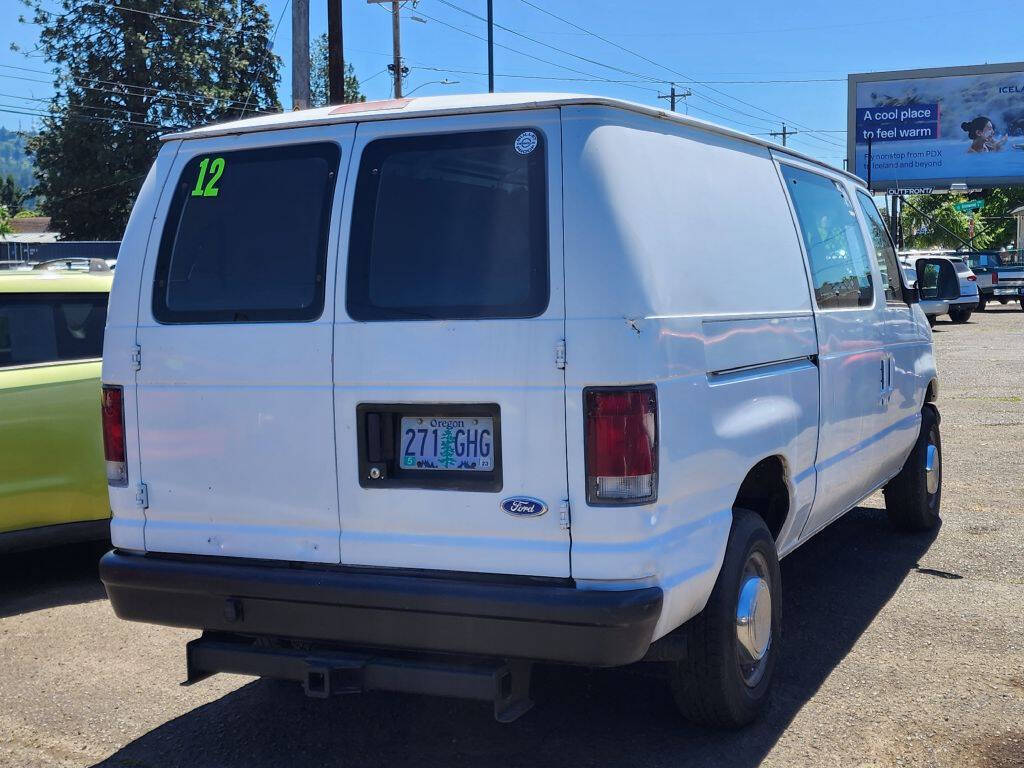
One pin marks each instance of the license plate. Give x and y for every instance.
(456, 443)
(1006, 291)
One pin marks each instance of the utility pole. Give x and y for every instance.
(396, 68)
(490, 46)
(396, 44)
(300, 54)
(784, 133)
(335, 54)
(673, 95)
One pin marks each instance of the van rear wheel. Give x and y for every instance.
(733, 644)
(912, 498)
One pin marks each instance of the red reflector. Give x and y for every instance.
(621, 444)
(995, 278)
(112, 407)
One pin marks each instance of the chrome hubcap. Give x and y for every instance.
(932, 468)
(753, 620)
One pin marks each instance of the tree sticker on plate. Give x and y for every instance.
(526, 142)
(457, 443)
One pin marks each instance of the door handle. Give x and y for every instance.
(888, 365)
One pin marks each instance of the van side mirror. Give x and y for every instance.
(937, 279)
(909, 284)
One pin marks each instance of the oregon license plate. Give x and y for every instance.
(458, 443)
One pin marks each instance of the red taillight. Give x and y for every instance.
(112, 405)
(995, 277)
(973, 278)
(621, 444)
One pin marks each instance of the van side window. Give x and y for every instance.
(835, 247)
(887, 264)
(246, 237)
(450, 226)
(51, 327)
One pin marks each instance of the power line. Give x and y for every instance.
(523, 53)
(156, 94)
(669, 69)
(266, 54)
(647, 78)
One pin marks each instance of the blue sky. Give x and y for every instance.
(733, 49)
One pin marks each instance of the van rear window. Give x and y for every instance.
(246, 237)
(450, 226)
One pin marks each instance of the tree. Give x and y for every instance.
(318, 86)
(994, 227)
(5, 221)
(12, 195)
(126, 74)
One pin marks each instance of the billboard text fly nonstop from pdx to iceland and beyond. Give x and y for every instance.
(936, 127)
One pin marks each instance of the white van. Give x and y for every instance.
(408, 395)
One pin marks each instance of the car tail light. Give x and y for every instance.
(112, 405)
(621, 444)
(973, 278)
(995, 277)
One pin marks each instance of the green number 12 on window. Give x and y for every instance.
(208, 187)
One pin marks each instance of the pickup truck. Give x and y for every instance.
(998, 280)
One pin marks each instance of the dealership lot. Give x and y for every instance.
(899, 650)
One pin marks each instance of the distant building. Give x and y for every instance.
(33, 240)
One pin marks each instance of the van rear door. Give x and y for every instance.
(236, 314)
(449, 395)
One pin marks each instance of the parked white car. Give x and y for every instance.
(959, 297)
(495, 406)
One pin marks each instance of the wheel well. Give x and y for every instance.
(764, 490)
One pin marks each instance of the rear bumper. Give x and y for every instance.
(989, 292)
(542, 620)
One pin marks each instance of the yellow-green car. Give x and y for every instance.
(53, 486)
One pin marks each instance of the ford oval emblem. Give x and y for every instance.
(524, 506)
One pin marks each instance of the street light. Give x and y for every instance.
(446, 81)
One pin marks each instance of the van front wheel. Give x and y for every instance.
(912, 497)
(732, 646)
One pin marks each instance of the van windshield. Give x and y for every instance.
(450, 226)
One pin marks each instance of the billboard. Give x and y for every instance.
(930, 128)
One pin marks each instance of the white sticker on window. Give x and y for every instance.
(526, 142)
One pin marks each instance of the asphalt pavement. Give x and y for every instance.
(896, 650)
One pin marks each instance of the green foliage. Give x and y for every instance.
(123, 77)
(27, 213)
(12, 195)
(318, 85)
(989, 230)
(5, 221)
(14, 160)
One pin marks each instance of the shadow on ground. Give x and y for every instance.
(46, 578)
(834, 586)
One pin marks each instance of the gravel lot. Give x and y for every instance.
(898, 650)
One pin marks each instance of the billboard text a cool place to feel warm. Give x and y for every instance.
(936, 127)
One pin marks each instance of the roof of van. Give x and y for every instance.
(468, 103)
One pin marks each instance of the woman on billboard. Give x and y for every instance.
(983, 135)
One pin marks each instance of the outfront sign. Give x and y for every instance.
(937, 127)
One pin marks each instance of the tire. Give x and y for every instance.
(960, 316)
(981, 305)
(913, 497)
(932, 319)
(719, 683)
